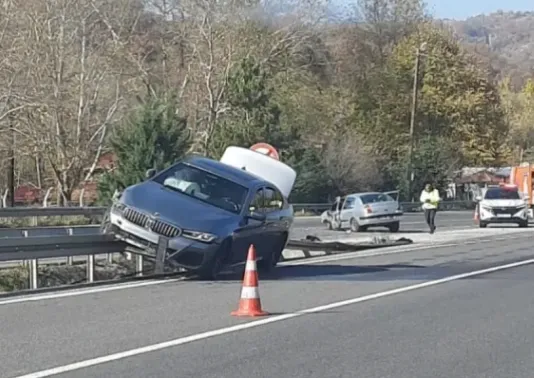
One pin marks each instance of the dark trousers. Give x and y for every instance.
(430, 215)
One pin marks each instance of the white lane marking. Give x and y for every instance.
(77, 292)
(258, 323)
(308, 261)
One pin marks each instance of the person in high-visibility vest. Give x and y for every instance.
(430, 200)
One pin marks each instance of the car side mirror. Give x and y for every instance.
(150, 173)
(257, 216)
(478, 198)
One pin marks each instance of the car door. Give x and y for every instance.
(392, 201)
(251, 232)
(276, 223)
(347, 210)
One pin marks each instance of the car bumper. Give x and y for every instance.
(504, 220)
(181, 251)
(379, 219)
(487, 216)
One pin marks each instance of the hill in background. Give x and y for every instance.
(503, 39)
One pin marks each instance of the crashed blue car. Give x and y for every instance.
(210, 211)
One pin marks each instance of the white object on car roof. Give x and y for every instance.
(263, 166)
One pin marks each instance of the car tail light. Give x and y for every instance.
(368, 209)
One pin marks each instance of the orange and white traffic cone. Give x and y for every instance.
(250, 303)
(476, 217)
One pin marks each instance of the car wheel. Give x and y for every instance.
(354, 226)
(394, 227)
(328, 225)
(482, 224)
(269, 262)
(212, 270)
(523, 224)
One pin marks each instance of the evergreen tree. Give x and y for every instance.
(153, 136)
(311, 185)
(253, 116)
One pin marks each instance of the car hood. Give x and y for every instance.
(176, 208)
(503, 203)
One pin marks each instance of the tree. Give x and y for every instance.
(519, 111)
(252, 116)
(154, 136)
(457, 98)
(434, 160)
(312, 184)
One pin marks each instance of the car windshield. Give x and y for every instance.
(498, 193)
(204, 186)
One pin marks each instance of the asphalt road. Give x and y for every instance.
(477, 326)
(411, 222)
(302, 225)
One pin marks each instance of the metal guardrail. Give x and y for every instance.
(18, 212)
(30, 250)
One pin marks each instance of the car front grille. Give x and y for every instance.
(505, 210)
(156, 225)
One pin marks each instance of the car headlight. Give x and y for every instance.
(118, 207)
(488, 209)
(200, 236)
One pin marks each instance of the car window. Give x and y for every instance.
(498, 193)
(204, 186)
(257, 203)
(349, 203)
(375, 198)
(273, 199)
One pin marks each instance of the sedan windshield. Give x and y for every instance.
(204, 186)
(498, 193)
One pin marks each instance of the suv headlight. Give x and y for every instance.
(118, 207)
(200, 236)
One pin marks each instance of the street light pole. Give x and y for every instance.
(415, 91)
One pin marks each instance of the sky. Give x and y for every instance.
(462, 9)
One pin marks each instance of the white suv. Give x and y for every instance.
(502, 204)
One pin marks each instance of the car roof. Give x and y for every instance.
(236, 175)
(362, 194)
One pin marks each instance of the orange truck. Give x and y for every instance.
(523, 177)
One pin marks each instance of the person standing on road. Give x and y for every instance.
(430, 200)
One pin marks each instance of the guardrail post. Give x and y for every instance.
(25, 262)
(70, 259)
(138, 265)
(90, 268)
(161, 254)
(34, 273)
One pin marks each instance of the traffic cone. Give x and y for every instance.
(476, 215)
(250, 304)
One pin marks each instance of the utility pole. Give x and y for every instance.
(11, 173)
(415, 91)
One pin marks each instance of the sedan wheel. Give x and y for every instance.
(268, 263)
(354, 226)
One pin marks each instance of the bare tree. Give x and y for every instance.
(351, 165)
(70, 53)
